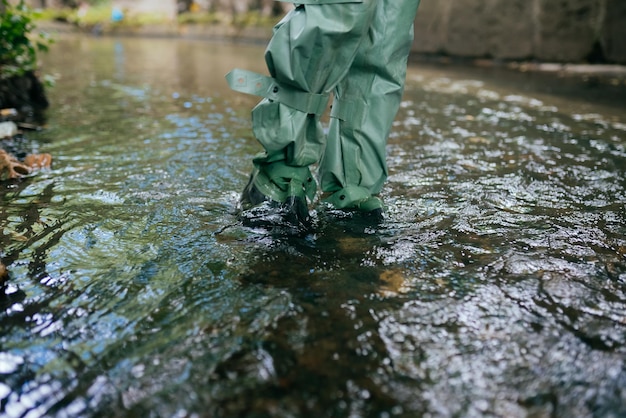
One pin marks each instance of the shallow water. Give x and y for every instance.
(496, 286)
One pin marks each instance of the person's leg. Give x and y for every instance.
(311, 50)
(354, 167)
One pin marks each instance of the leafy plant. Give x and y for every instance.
(19, 44)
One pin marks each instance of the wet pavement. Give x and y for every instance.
(496, 286)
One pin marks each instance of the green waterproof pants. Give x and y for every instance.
(355, 49)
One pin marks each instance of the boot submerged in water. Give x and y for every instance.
(276, 198)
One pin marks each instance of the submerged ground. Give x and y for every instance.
(496, 286)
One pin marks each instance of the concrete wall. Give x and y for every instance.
(546, 30)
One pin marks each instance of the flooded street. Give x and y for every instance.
(496, 286)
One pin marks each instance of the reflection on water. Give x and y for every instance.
(496, 287)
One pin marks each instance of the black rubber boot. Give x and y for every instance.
(260, 211)
(251, 195)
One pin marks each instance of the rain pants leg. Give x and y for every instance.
(366, 100)
(354, 48)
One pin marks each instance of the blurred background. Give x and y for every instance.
(579, 31)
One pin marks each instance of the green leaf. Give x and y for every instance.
(18, 53)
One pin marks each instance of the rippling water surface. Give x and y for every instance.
(496, 286)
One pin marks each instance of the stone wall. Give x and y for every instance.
(545, 30)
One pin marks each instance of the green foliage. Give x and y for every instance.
(253, 18)
(248, 19)
(19, 44)
(200, 18)
(94, 15)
